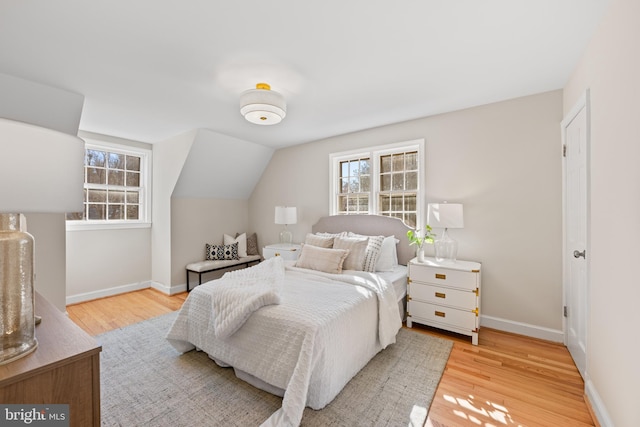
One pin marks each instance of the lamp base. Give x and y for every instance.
(446, 248)
(286, 236)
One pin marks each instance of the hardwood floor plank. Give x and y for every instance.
(506, 380)
(105, 314)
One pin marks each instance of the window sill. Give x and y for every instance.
(87, 226)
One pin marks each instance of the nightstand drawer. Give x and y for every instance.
(444, 315)
(444, 277)
(287, 252)
(445, 296)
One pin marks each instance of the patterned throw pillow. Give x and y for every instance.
(240, 239)
(374, 250)
(221, 252)
(373, 253)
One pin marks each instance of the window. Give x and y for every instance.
(355, 186)
(116, 186)
(384, 180)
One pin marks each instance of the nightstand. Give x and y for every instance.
(445, 295)
(288, 251)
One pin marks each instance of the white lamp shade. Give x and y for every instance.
(262, 106)
(286, 215)
(41, 170)
(445, 215)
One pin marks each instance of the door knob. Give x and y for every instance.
(578, 254)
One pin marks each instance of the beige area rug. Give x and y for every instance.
(145, 382)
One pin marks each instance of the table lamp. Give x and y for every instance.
(445, 215)
(286, 215)
(41, 170)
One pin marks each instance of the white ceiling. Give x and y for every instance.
(151, 69)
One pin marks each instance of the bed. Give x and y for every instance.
(305, 332)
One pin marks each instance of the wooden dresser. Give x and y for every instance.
(64, 369)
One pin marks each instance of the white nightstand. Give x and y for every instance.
(445, 296)
(288, 251)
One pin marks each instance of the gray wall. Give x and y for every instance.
(502, 161)
(101, 262)
(610, 69)
(196, 222)
(60, 110)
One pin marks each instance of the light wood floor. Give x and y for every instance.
(507, 380)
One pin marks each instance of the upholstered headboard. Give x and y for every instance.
(371, 225)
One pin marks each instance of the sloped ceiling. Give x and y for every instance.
(152, 69)
(221, 167)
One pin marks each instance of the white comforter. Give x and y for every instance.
(325, 329)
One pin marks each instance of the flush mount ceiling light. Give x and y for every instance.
(263, 106)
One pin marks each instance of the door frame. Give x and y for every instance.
(583, 102)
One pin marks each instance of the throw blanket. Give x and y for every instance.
(239, 293)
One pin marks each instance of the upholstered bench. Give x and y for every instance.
(202, 267)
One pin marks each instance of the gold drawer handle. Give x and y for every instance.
(440, 313)
(441, 276)
(277, 254)
(440, 295)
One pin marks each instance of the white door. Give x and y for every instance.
(575, 133)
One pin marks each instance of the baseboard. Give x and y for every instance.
(596, 405)
(88, 296)
(522, 328)
(169, 290)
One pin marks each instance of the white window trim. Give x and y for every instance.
(374, 154)
(145, 183)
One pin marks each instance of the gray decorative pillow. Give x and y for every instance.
(221, 252)
(252, 244)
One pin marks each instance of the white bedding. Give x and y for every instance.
(398, 278)
(325, 329)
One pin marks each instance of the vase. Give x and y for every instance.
(17, 297)
(420, 255)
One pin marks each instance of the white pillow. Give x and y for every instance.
(242, 243)
(388, 258)
(357, 248)
(322, 259)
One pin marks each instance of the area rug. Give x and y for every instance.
(145, 382)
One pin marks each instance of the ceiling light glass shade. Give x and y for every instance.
(263, 106)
